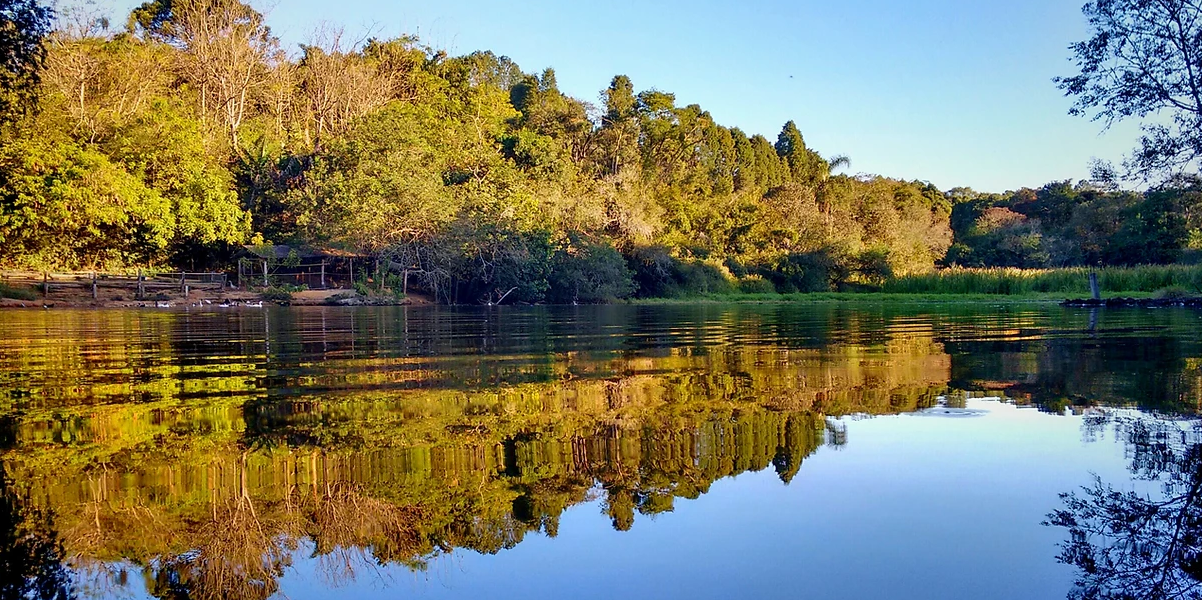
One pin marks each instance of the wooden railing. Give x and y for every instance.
(184, 282)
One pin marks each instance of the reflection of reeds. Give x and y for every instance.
(345, 523)
(237, 556)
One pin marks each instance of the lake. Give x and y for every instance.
(712, 451)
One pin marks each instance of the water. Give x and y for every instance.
(692, 452)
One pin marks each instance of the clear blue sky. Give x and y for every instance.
(956, 92)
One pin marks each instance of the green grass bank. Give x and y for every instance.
(1060, 282)
(990, 285)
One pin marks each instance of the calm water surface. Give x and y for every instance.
(675, 452)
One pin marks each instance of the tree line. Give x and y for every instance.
(191, 131)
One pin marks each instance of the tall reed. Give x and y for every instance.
(1074, 280)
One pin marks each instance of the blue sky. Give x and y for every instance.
(956, 92)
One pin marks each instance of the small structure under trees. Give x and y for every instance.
(313, 268)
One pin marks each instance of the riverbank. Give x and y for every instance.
(80, 297)
(339, 297)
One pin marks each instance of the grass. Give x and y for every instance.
(991, 285)
(1060, 282)
(17, 293)
(872, 298)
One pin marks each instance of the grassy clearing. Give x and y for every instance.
(1061, 282)
(17, 293)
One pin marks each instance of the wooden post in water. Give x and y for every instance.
(94, 294)
(1094, 289)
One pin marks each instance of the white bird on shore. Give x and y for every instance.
(258, 304)
(161, 304)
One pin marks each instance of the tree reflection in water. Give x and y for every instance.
(1131, 546)
(31, 554)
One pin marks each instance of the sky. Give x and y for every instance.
(955, 92)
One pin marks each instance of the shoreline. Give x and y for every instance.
(113, 299)
(236, 299)
(875, 298)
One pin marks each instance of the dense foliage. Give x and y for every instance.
(1062, 224)
(191, 133)
(24, 25)
(1143, 60)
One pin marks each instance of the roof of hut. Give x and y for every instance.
(283, 251)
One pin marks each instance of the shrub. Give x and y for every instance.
(873, 266)
(702, 277)
(819, 271)
(589, 273)
(279, 295)
(754, 284)
(658, 274)
(17, 293)
(653, 270)
(1172, 292)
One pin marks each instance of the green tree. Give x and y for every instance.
(1143, 58)
(24, 26)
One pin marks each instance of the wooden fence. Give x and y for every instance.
(139, 284)
(322, 275)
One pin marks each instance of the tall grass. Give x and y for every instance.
(1069, 281)
(16, 293)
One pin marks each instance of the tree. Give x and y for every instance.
(226, 46)
(24, 25)
(619, 127)
(1144, 60)
(805, 165)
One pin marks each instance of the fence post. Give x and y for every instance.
(264, 273)
(94, 294)
(1094, 289)
(182, 277)
(141, 285)
(45, 284)
(239, 273)
(323, 274)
